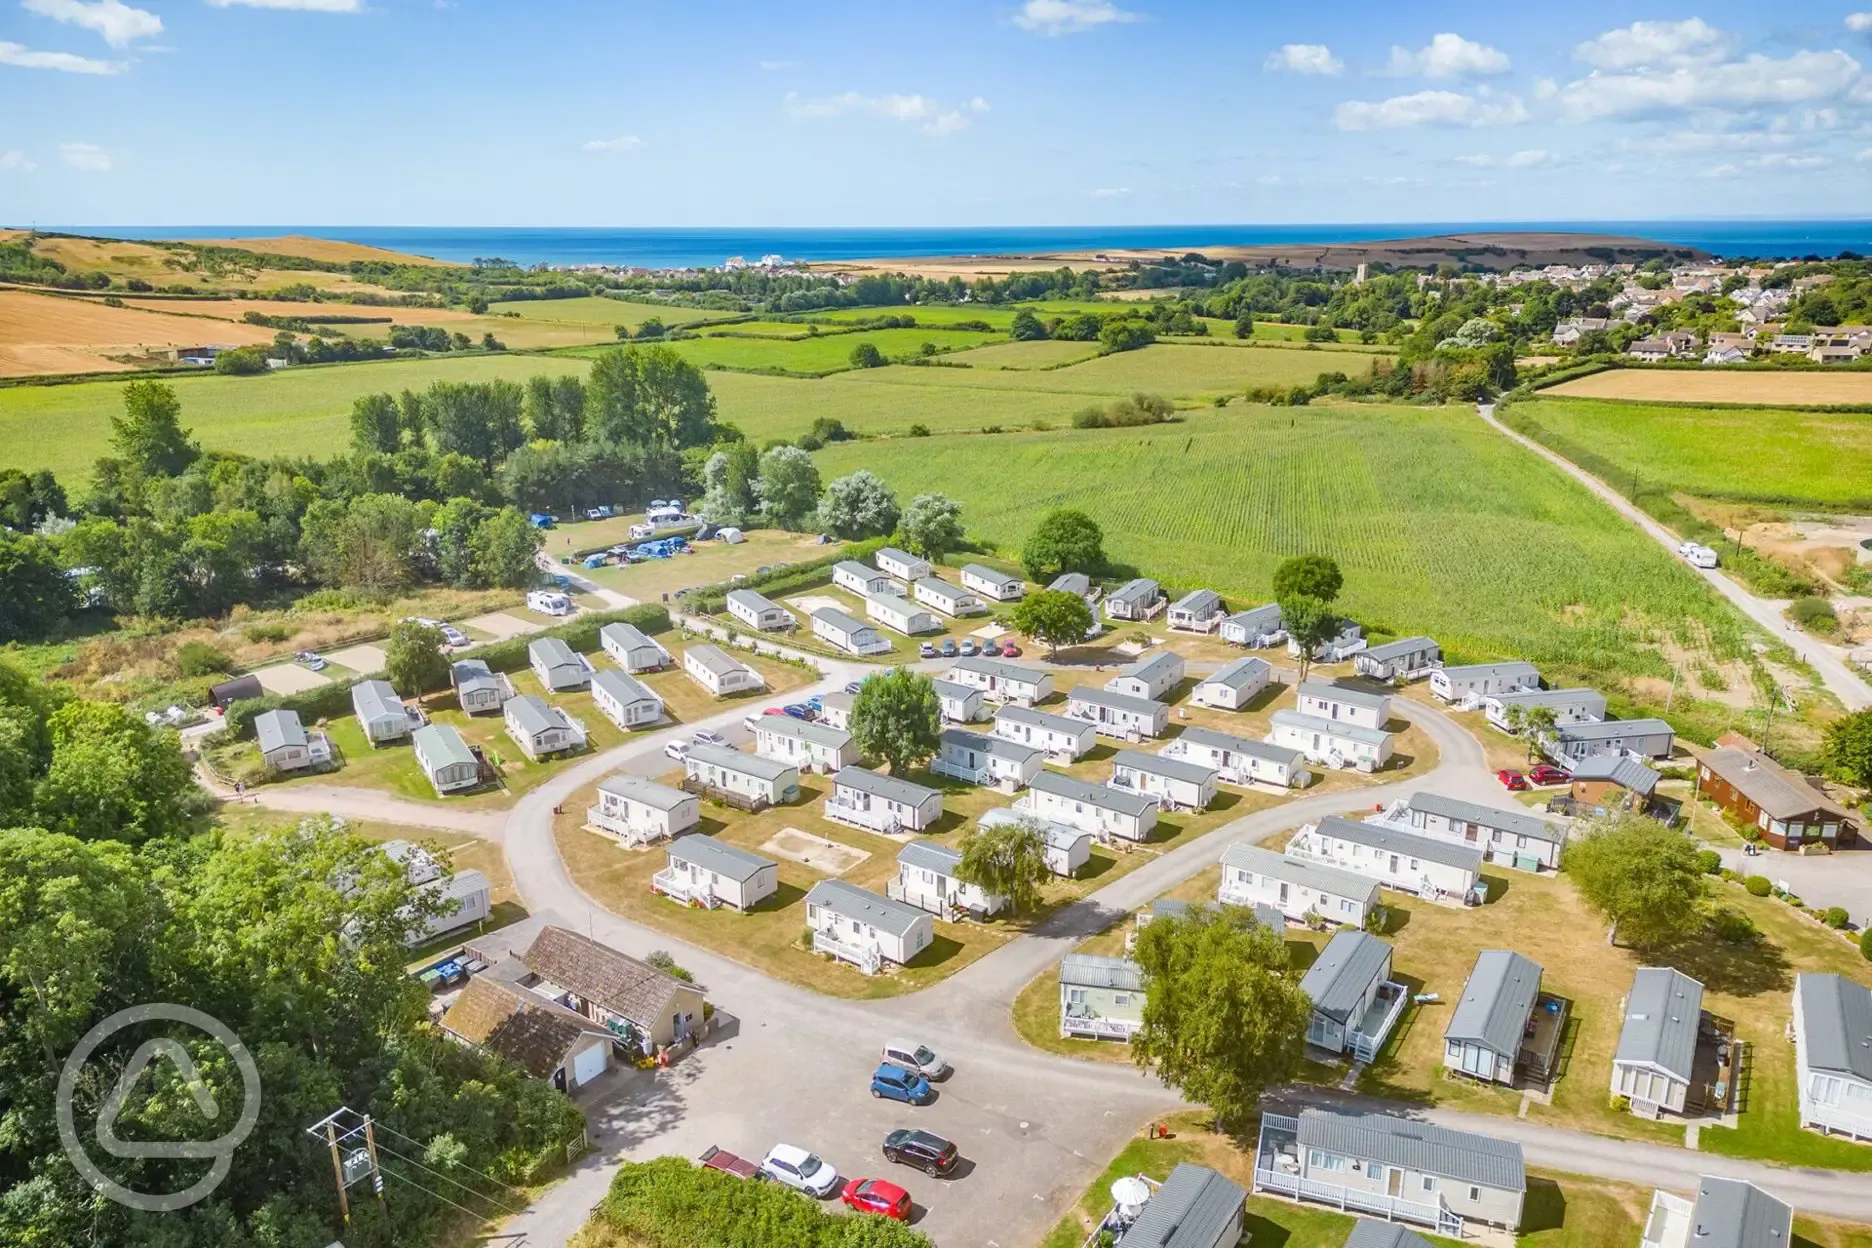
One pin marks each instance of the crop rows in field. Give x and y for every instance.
(598, 310)
(1441, 527)
(1770, 455)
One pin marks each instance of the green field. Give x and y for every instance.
(1028, 355)
(1743, 454)
(1441, 526)
(764, 407)
(597, 310)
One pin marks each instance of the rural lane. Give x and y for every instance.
(1835, 672)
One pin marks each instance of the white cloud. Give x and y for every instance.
(1528, 158)
(1753, 82)
(1692, 41)
(1719, 171)
(87, 157)
(309, 6)
(1432, 108)
(1859, 23)
(771, 66)
(1396, 179)
(1865, 153)
(118, 23)
(623, 143)
(1304, 58)
(1110, 192)
(934, 117)
(1274, 179)
(12, 160)
(1069, 17)
(1787, 160)
(22, 57)
(1448, 56)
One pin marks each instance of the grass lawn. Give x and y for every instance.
(713, 561)
(1429, 514)
(765, 407)
(686, 702)
(825, 352)
(1750, 454)
(598, 310)
(1028, 355)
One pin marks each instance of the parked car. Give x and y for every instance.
(773, 710)
(1511, 780)
(925, 1150)
(991, 648)
(1547, 773)
(1009, 650)
(949, 650)
(312, 661)
(677, 750)
(726, 1162)
(797, 710)
(452, 636)
(897, 1084)
(926, 651)
(917, 1057)
(969, 648)
(752, 719)
(852, 686)
(798, 1168)
(705, 737)
(879, 1196)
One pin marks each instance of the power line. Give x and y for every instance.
(470, 1169)
(445, 1178)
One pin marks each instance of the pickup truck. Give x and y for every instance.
(728, 1163)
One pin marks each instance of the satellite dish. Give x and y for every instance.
(1130, 1194)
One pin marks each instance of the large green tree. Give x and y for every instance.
(858, 506)
(1315, 576)
(729, 478)
(788, 487)
(931, 525)
(1224, 1017)
(1640, 876)
(376, 424)
(148, 434)
(35, 590)
(1309, 623)
(1848, 747)
(1054, 617)
(897, 717)
(1065, 540)
(1007, 860)
(372, 543)
(504, 547)
(112, 777)
(414, 661)
(638, 395)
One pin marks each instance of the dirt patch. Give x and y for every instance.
(236, 309)
(317, 249)
(364, 658)
(810, 603)
(288, 678)
(50, 333)
(500, 626)
(1768, 388)
(812, 851)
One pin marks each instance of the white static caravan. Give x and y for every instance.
(631, 649)
(897, 612)
(1335, 744)
(712, 668)
(1349, 641)
(637, 811)
(960, 704)
(1149, 678)
(380, 713)
(1255, 627)
(1239, 760)
(847, 632)
(1064, 739)
(445, 758)
(807, 745)
(1480, 680)
(1343, 703)
(1103, 811)
(752, 778)
(1647, 738)
(709, 873)
(901, 564)
(1510, 838)
(951, 600)
(854, 576)
(858, 926)
(758, 611)
(1077, 583)
(625, 700)
(558, 666)
(979, 758)
(1252, 876)
(1832, 1021)
(1001, 681)
(1487, 1027)
(1569, 706)
(926, 878)
(882, 804)
(1118, 714)
(1396, 859)
(1235, 686)
(1199, 611)
(1408, 658)
(540, 729)
(282, 739)
(478, 689)
(992, 582)
(1655, 1060)
(1176, 784)
(835, 709)
(1134, 601)
(1067, 848)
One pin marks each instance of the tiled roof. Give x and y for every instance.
(600, 974)
(531, 1032)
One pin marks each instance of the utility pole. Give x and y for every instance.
(331, 1142)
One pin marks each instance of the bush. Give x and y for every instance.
(1758, 885)
(1733, 927)
(241, 362)
(919, 431)
(198, 658)
(673, 1203)
(866, 355)
(664, 961)
(1814, 614)
(1836, 918)
(1865, 944)
(1709, 860)
(1321, 333)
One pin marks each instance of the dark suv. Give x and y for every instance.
(924, 1150)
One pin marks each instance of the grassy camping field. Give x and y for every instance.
(1441, 526)
(598, 310)
(1747, 454)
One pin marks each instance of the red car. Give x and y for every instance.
(1547, 773)
(1009, 650)
(878, 1196)
(1513, 781)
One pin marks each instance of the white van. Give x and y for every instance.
(549, 602)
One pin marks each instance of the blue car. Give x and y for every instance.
(796, 710)
(899, 1084)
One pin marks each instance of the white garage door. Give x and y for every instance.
(588, 1065)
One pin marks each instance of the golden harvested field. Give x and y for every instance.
(1766, 387)
(235, 309)
(317, 249)
(50, 334)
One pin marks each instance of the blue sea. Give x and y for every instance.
(672, 248)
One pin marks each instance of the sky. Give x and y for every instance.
(956, 113)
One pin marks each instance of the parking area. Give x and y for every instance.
(288, 677)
